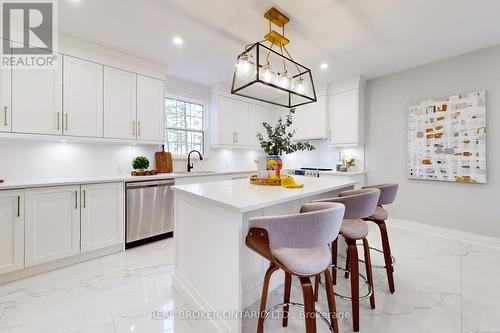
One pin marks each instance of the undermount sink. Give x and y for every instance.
(194, 172)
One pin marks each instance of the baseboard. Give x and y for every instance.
(50, 266)
(462, 236)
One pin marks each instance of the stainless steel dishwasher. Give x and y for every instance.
(149, 212)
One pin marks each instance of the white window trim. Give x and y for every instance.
(206, 113)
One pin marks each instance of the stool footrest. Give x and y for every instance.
(379, 251)
(299, 305)
(365, 280)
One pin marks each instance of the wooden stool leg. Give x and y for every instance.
(387, 255)
(334, 260)
(331, 301)
(369, 274)
(286, 298)
(317, 280)
(309, 308)
(353, 254)
(263, 301)
(347, 260)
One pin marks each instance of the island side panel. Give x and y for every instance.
(207, 261)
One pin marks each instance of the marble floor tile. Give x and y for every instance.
(442, 285)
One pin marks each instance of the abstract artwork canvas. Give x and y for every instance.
(447, 138)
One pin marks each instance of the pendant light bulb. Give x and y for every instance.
(284, 81)
(300, 86)
(244, 67)
(267, 74)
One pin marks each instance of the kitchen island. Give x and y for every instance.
(214, 271)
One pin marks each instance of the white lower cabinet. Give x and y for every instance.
(11, 231)
(102, 217)
(52, 224)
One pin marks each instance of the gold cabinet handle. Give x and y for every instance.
(66, 121)
(76, 199)
(84, 198)
(18, 206)
(237, 139)
(139, 128)
(133, 128)
(5, 111)
(234, 137)
(58, 120)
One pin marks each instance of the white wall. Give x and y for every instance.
(467, 207)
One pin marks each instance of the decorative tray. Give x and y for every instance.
(265, 181)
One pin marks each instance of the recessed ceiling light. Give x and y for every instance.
(323, 65)
(178, 41)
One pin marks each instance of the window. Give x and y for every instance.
(184, 126)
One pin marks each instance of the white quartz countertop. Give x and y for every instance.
(239, 194)
(339, 173)
(17, 184)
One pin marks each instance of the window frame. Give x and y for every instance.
(203, 131)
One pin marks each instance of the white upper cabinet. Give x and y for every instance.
(236, 122)
(257, 115)
(5, 104)
(119, 104)
(52, 223)
(150, 109)
(11, 231)
(310, 120)
(345, 113)
(102, 217)
(83, 98)
(37, 100)
(226, 113)
(241, 124)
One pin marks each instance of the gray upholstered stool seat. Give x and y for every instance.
(359, 204)
(305, 262)
(380, 214)
(298, 245)
(387, 196)
(354, 229)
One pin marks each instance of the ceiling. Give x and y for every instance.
(370, 38)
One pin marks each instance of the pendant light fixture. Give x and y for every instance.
(265, 70)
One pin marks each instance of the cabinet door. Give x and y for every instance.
(227, 135)
(150, 109)
(310, 120)
(52, 223)
(11, 231)
(83, 103)
(344, 118)
(119, 104)
(257, 115)
(102, 216)
(5, 96)
(37, 100)
(241, 124)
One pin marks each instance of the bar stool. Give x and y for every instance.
(298, 244)
(387, 196)
(359, 204)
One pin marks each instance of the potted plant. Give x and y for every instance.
(140, 163)
(279, 142)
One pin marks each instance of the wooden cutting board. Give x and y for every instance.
(163, 161)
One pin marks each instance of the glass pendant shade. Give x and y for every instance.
(266, 75)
